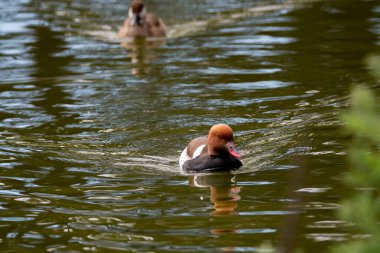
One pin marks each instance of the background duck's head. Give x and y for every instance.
(137, 12)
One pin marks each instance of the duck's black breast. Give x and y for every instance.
(211, 164)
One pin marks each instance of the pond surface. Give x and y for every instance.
(91, 132)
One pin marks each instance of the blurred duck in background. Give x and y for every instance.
(141, 24)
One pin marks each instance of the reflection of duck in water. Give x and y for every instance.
(216, 152)
(141, 53)
(141, 24)
(224, 193)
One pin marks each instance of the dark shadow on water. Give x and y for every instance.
(327, 70)
(50, 70)
(335, 56)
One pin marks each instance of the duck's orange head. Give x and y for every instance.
(221, 139)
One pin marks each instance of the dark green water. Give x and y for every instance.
(91, 132)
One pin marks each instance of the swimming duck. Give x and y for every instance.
(140, 23)
(215, 152)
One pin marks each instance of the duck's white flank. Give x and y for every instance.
(185, 157)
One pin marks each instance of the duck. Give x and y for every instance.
(212, 153)
(140, 23)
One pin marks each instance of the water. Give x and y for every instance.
(91, 132)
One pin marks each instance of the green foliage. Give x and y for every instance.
(362, 121)
(373, 62)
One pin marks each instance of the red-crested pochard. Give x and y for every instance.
(140, 23)
(215, 152)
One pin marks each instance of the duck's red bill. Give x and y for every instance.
(235, 153)
(231, 148)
